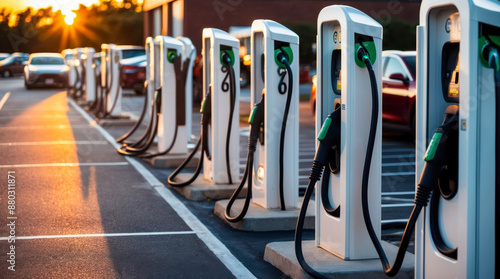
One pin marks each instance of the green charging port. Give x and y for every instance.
(223, 61)
(368, 45)
(491, 55)
(288, 54)
(324, 129)
(171, 54)
(431, 150)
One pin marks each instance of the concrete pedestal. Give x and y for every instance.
(282, 256)
(202, 189)
(262, 220)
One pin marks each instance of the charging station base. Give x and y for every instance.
(202, 189)
(260, 219)
(282, 256)
(122, 120)
(173, 161)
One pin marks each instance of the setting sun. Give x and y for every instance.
(69, 17)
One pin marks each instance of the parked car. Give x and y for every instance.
(46, 69)
(398, 90)
(133, 73)
(4, 55)
(14, 64)
(131, 51)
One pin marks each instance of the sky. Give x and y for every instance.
(64, 5)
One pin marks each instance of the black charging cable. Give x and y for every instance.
(206, 116)
(141, 117)
(491, 53)
(328, 138)
(206, 119)
(256, 121)
(282, 88)
(436, 158)
(180, 84)
(231, 87)
(147, 138)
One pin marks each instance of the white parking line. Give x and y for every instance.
(98, 235)
(394, 221)
(403, 173)
(410, 155)
(397, 205)
(4, 99)
(110, 164)
(83, 142)
(214, 244)
(398, 164)
(396, 199)
(398, 193)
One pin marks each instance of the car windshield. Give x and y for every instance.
(410, 61)
(129, 53)
(47, 61)
(7, 60)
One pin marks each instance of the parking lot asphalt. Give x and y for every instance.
(84, 211)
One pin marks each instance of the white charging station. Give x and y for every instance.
(339, 31)
(267, 37)
(110, 78)
(89, 80)
(450, 72)
(216, 79)
(188, 52)
(172, 115)
(153, 79)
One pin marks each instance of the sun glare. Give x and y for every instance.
(69, 17)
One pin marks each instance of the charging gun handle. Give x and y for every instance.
(437, 152)
(328, 137)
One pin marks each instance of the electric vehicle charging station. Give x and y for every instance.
(458, 52)
(267, 38)
(89, 80)
(274, 134)
(345, 85)
(152, 70)
(172, 119)
(78, 67)
(110, 79)
(224, 163)
(188, 52)
(348, 125)
(219, 137)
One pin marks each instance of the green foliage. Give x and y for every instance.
(45, 30)
(307, 35)
(400, 35)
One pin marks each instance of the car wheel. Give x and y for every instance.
(244, 78)
(6, 73)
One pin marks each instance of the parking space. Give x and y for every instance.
(84, 211)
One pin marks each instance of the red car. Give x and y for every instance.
(398, 90)
(133, 71)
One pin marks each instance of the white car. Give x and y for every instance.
(46, 69)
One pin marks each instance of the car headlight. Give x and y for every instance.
(66, 68)
(32, 68)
